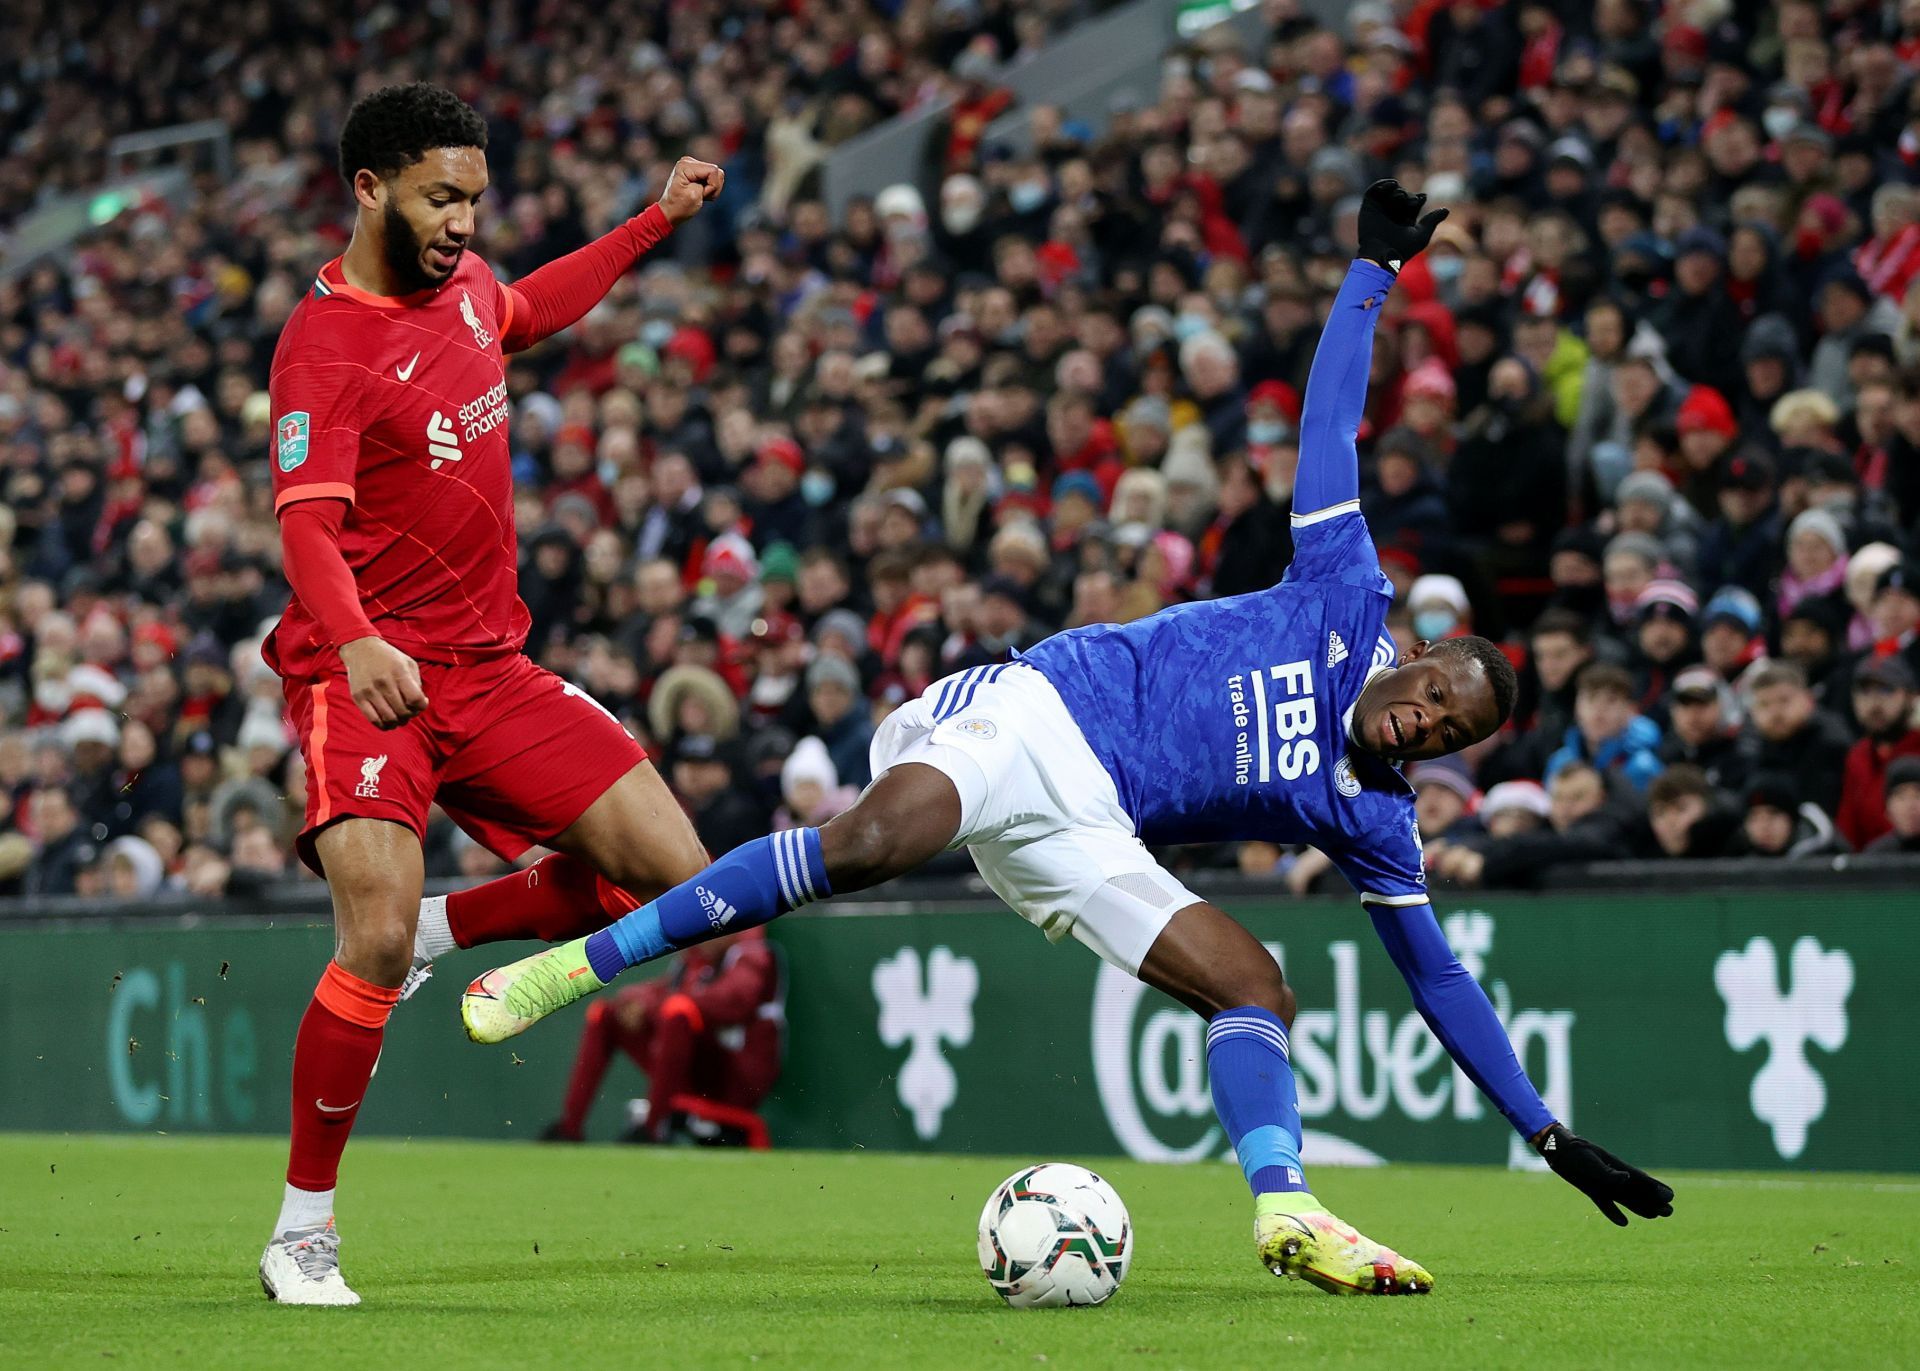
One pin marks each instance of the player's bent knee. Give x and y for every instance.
(380, 951)
(645, 878)
(860, 849)
(1261, 989)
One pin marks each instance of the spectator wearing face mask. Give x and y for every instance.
(1440, 608)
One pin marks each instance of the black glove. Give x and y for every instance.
(1603, 1177)
(1391, 230)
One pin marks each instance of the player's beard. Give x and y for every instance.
(406, 254)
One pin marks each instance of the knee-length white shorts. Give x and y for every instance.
(1038, 813)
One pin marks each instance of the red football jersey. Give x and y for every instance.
(398, 405)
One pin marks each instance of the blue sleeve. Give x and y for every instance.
(1329, 472)
(1329, 536)
(1380, 852)
(1458, 1012)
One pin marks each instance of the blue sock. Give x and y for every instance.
(754, 884)
(1253, 1092)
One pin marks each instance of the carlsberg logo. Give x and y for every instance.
(1353, 1064)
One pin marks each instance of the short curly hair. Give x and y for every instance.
(1501, 677)
(390, 129)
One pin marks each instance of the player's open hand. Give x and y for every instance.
(1392, 232)
(383, 681)
(1603, 1177)
(691, 185)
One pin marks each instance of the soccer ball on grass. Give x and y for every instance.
(1055, 1234)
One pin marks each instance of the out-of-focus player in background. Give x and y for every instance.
(1280, 715)
(711, 1027)
(401, 649)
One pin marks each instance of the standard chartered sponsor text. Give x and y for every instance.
(485, 414)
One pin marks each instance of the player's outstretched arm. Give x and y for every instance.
(560, 293)
(1391, 233)
(1462, 1018)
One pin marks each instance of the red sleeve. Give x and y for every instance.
(1856, 797)
(320, 406)
(320, 578)
(562, 291)
(739, 989)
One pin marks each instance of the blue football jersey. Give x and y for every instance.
(1227, 719)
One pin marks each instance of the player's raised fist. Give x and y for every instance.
(1391, 229)
(383, 681)
(691, 185)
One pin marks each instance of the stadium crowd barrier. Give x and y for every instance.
(1730, 1027)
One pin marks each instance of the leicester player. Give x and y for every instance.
(400, 651)
(1280, 715)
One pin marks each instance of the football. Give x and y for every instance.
(1055, 1234)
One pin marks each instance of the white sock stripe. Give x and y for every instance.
(1273, 1044)
(800, 857)
(780, 871)
(1244, 1026)
(1230, 1018)
(1247, 1027)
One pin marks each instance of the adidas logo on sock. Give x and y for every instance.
(719, 912)
(1336, 650)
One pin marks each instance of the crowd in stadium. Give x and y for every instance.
(1647, 411)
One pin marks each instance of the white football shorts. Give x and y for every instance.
(1038, 813)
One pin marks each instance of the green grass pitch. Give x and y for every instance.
(138, 1252)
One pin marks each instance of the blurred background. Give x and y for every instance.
(1002, 326)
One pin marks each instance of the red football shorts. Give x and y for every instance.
(512, 753)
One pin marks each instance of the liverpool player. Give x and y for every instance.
(400, 650)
